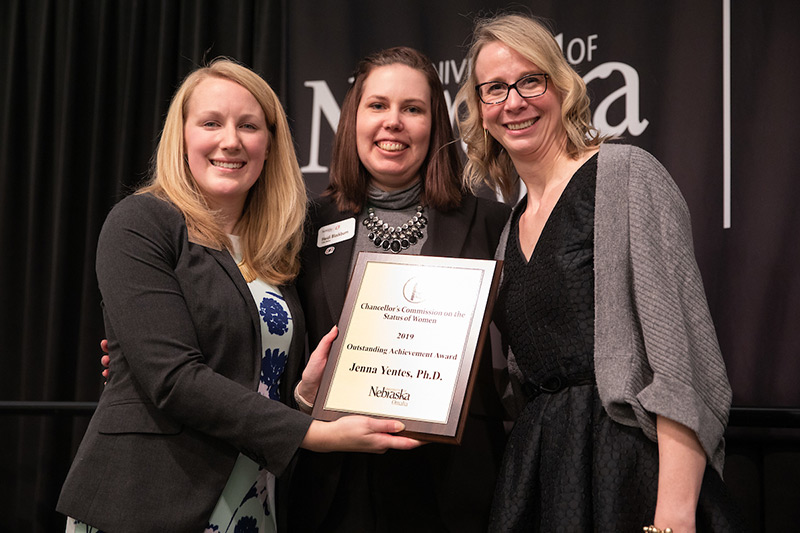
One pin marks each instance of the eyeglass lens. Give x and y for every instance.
(528, 87)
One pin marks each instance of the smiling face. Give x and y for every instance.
(528, 128)
(226, 139)
(393, 125)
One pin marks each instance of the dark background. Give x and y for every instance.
(85, 85)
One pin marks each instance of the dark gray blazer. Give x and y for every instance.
(437, 487)
(181, 402)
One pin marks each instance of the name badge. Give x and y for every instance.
(336, 232)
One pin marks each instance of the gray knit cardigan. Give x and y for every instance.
(656, 350)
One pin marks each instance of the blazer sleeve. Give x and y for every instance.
(139, 274)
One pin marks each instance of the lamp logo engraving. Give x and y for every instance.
(415, 291)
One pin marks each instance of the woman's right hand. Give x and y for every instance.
(357, 433)
(312, 374)
(105, 360)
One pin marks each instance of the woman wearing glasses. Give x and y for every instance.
(616, 370)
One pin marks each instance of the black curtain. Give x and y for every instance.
(86, 84)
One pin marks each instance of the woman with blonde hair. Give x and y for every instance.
(205, 329)
(616, 373)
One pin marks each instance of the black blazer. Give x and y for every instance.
(182, 400)
(437, 487)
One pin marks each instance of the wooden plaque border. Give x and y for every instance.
(470, 347)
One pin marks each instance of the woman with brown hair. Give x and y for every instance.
(395, 180)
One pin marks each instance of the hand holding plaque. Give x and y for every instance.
(410, 339)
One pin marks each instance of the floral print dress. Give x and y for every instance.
(247, 504)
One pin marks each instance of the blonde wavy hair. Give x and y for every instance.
(271, 226)
(487, 161)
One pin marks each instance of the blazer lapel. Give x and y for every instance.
(334, 266)
(223, 257)
(447, 237)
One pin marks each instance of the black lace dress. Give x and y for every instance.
(567, 466)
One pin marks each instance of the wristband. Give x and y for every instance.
(303, 404)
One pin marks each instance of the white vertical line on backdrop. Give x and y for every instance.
(726, 114)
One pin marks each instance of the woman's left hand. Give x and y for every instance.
(312, 374)
(681, 464)
(356, 433)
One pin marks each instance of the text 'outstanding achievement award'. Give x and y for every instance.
(410, 338)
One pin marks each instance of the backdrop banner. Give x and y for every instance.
(657, 76)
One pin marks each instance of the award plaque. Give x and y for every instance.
(410, 339)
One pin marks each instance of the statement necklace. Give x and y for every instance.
(395, 238)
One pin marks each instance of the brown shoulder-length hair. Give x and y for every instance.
(271, 227)
(441, 169)
(487, 161)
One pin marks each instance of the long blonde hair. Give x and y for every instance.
(271, 226)
(487, 161)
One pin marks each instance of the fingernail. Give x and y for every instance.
(399, 426)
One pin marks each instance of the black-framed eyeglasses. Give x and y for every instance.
(529, 86)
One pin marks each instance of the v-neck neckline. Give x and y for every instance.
(547, 223)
